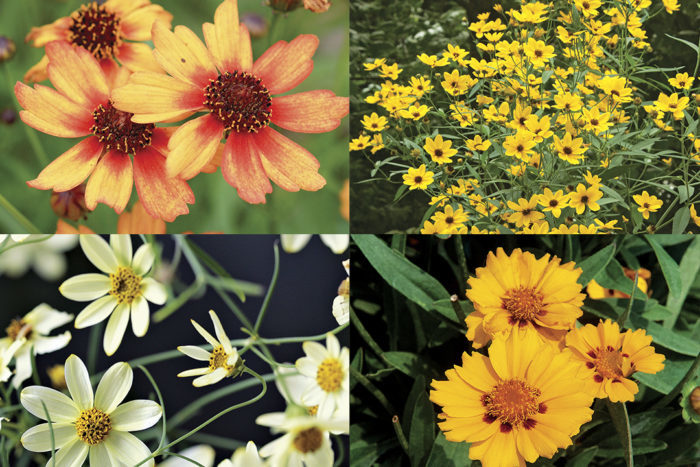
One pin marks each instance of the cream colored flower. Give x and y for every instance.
(244, 457)
(90, 424)
(14, 237)
(338, 243)
(34, 328)
(327, 372)
(201, 453)
(223, 360)
(122, 291)
(341, 303)
(305, 440)
(45, 257)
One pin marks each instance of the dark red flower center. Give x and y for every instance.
(239, 101)
(115, 130)
(96, 29)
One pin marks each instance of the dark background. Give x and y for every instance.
(300, 306)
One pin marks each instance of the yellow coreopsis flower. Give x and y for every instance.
(694, 215)
(414, 112)
(647, 203)
(390, 71)
(520, 145)
(672, 104)
(432, 61)
(359, 143)
(456, 84)
(440, 150)
(553, 202)
(614, 357)
(531, 13)
(378, 62)
(450, 220)
(418, 178)
(681, 81)
(570, 149)
(596, 121)
(517, 291)
(525, 211)
(538, 52)
(584, 198)
(478, 143)
(671, 6)
(374, 122)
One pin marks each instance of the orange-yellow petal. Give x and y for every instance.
(110, 182)
(50, 112)
(285, 65)
(228, 40)
(138, 221)
(137, 57)
(183, 55)
(192, 146)
(309, 112)
(137, 24)
(37, 73)
(242, 168)
(71, 168)
(56, 31)
(75, 73)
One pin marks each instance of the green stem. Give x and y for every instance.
(19, 217)
(360, 328)
(668, 398)
(160, 401)
(462, 258)
(292, 340)
(623, 317)
(399, 433)
(362, 379)
(270, 289)
(175, 304)
(459, 311)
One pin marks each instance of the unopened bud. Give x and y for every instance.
(256, 24)
(8, 116)
(7, 48)
(70, 204)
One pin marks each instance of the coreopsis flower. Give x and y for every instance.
(647, 203)
(123, 290)
(440, 150)
(553, 202)
(681, 81)
(34, 329)
(520, 145)
(450, 220)
(672, 104)
(81, 107)
(419, 178)
(596, 291)
(614, 357)
(523, 401)
(139, 221)
(570, 149)
(671, 6)
(46, 257)
(224, 361)
(294, 243)
(526, 212)
(518, 291)
(90, 424)
(244, 457)
(305, 441)
(222, 80)
(327, 370)
(201, 453)
(585, 197)
(103, 29)
(374, 122)
(341, 303)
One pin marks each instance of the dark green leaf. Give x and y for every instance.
(650, 422)
(680, 221)
(595, 263)
(689, 268)
(639, 446)
(668, 338)
(613, 277)
(420, 439)
(409, 363)
(665, 380)
(618, 414)
(447, 453)
(583, 458)
(669, 267)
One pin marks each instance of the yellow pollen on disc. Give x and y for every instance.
(608, 363)
(309, 440)
(16, 328)
(512, 401)
(93, 426)
(329, 375)
(523, 303)
(126, 285)
(218, 359)
(312, 410)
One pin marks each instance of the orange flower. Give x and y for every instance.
(81, 106)
(138, 221)
(222, 80)
(101, 30)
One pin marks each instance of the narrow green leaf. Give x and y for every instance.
(583, 458)
(404, 276)
(689, 268)
(683, 41)
(665, 380)
(446, 453)
(669, 267)
(668, 338)
(639, 445)
(618, 414)
(595, 263)
(680, 221)
(420, 438)
(613, 277)
(409, 363)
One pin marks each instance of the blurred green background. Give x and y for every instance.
(401, 29)
(217, 206)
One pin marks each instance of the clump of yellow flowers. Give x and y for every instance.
(543, 123)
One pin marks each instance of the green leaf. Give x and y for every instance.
(445, 453)
(595, 263)
(680, 221)
(650, 422)
(407, 278)
(665, 380)
(668, 338)
(422, 433)
(613, 277)
(618, 414)
(409, 363)
(689, 268)
(365, 448)
(639, 446)
(583, 458)
(683, 41)
(669, 267)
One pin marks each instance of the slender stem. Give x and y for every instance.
(623, 317)
(362, 379)
(360, 328)
(677, 389)
(270, 289)
(19, 217)
(292, 340)
(459, 311)
(188, 459)
(459, 246)
(93, 347)
(399, 433)
(160, 401)
(175, 304)
(51, 434)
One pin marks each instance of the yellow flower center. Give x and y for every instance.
(17, 328)
(513, 402)
(95, 29)
(309, 440)
(608, 363)
(218, 359)
(312, 410)
(523, 304)
(126, 285)
(93, 426)
(329, 375)
(239, 101)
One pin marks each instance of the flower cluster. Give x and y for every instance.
(111, 89)
(534, 390)
(544, 126)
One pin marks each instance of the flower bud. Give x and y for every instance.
(317, 6)
(7, 48)
(695, 399)
(70, 204)
(256, 24)
(8, 116)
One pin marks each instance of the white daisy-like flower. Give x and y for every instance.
(34, 328)
(122, 291)
(244, 457)
(341, 303)
(6, 355)
(224, 360)
(96, 425)
(47, 258)
(306, 439)
(294, 243)
(201, 453)
(327, 375)
(14, 237)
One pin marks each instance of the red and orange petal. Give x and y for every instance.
(139, 221)
(136, 18)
